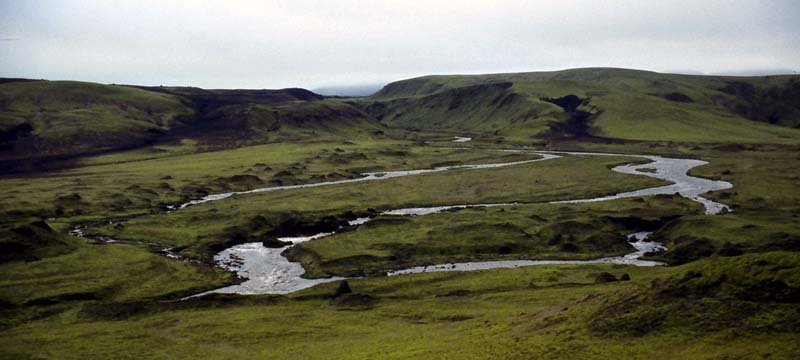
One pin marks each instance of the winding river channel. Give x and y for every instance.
(267, 272)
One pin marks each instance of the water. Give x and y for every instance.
(372, 176)
(640, 243)
(268, 272)
(437, 209)
(669, 169)
(673, 170)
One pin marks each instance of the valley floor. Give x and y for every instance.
(731, 291)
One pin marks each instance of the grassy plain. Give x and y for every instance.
(119, 300)
(198, 228)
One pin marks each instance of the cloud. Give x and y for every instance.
(258, 44)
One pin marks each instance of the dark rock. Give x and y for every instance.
(569, 247)
(772, 290)
(343, 288)
(605, 277)
(690, 249)
(244, 179)
(275, 243)
(502, 250)
(625, 277)
(283, 173)
(691, 274)
(678, 97)
(69, 198)
(729, 249)
(554, 240)
(257, 222)
(358, 301)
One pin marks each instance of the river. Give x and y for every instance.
(267, 272)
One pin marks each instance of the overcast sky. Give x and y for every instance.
(274, 44)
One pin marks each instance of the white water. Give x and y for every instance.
(461, 139)
(266, 270)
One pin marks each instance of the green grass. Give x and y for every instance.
(547, 311)
(656, 119)
(111, 272)
(141, 180)
(70, 117)
(632, 102)
(201, 226)
(540, 231)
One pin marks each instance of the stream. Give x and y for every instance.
(670, 169)
(267, 272)
(371, 176)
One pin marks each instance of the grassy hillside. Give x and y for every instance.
(43, 123)
(631, 104)
(53, 118)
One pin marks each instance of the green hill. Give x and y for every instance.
(56, 118)
(49, 122)
(44, 123)
(625, 104)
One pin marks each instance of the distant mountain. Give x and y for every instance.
(349, 90)
(605, 103)
(758, 72)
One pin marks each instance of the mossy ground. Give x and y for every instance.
(85, 300)
(547, 312)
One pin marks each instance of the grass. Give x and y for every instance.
(539, 231)
(111, 272)
(97, 301)
(141, 180)
(198, 228)
(634, 105)
(542, 311)
(70, 117)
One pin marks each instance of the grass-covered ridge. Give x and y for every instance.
(49, 124)
(52, 118)
(634, 105)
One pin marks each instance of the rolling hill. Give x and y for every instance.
(624, 104)
(43, 123)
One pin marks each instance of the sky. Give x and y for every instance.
(298, 43)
